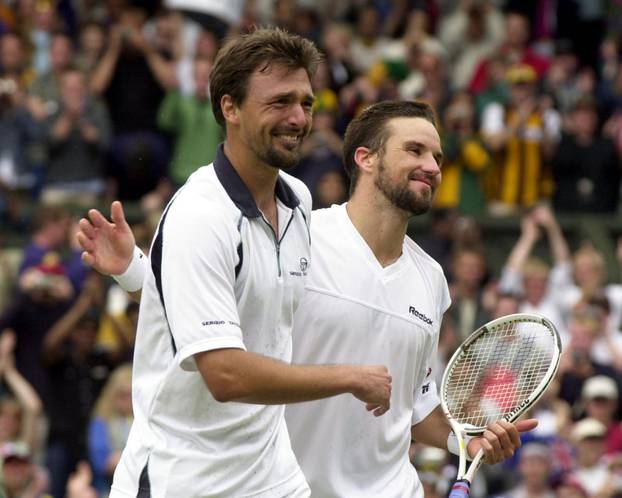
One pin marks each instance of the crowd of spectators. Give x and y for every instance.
(108, 99)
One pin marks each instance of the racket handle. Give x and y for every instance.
(460, 489)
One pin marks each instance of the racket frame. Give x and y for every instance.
(460, 431)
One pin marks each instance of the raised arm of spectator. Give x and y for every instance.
(102, 74)
(61, 330)
(163, 70)
(511, 275)
(559, 247)
(522, 249)
(22, 390)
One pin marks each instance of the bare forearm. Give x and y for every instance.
(559, 246)
(163, 70)
(432, 430)
(30, 402)
(61, 329)
(520, 252)
(103, 72)
(252, 378)
(23, 391)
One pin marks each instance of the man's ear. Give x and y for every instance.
(229, 110)
(365, 159)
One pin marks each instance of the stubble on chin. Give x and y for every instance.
(280, 159)
(402, 197)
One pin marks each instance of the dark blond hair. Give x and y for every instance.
(260, 50)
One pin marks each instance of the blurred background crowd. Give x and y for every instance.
(108, 99)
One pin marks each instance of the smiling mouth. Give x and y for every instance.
(422, 180)
(290, 141)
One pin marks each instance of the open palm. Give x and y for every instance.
(107, 245)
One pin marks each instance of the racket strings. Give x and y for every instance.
(497, 372)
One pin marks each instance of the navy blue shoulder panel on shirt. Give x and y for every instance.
(156, 267)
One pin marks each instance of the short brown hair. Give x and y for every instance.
(240, 57)
(369, 129)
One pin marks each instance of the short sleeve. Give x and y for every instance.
(426, 398)
(199, 256)
(444, 299)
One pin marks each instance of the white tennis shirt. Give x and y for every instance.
(218, 279)
(355, 311)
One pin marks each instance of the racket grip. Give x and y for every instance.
(460, 489)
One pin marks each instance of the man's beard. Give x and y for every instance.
(272, 155)
(280, 160)
(401, 196)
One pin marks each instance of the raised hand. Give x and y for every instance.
(79, 483)
(529, 227)
(544, 217)
(108, 245)
(373, 386)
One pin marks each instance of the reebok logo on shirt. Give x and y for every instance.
(412, 310)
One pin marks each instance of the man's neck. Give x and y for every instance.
(259, 178)
(382, 225)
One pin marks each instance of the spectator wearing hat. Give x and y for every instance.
(586, 165)
(21, 477)
(535, 472)
(521, 136)
(588, 437)
(600, 399)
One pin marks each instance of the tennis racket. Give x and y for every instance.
(499, 372)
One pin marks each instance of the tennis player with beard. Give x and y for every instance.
(372, 295)
(212, 363)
